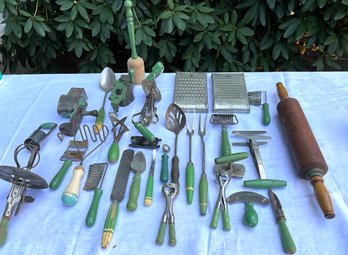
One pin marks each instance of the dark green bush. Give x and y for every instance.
(222, 35)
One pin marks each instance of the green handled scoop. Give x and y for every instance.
(138, 166)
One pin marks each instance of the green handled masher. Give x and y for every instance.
(114, 150)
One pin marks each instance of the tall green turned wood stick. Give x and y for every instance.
(135, 63)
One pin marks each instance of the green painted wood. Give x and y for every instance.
(160, 234)
(114, 152)
(287, 241)
(172, 235)
(190, 179)
(203, 195)
(226, 220)
(93, 210)
(58, 178)
(266, 117)
(231, 157)
(215, 219)
(164, 168)
(149, 191)
(134, 193)
(225, 143)
(250, 216)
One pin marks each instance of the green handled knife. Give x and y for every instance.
(287, 241)
(150, 180)
(117, 196)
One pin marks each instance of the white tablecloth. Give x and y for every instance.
(48, 227)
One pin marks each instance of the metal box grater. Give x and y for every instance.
(230, 93)
(190, 91)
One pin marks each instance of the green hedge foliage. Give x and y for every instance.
(188, 35)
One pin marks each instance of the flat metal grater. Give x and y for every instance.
(95, 174)
(191, 91)
(230, 93)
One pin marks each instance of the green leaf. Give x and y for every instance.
(62, 18)
(246, 31)
(276, 50)
(340, 13)
(69, 29)
(330, 39)
(226, 17)
(227, 27)
(262, 14)
(300, 31)
(169, 25)
(291, 29)
(198, 37)
(271, 4)
(82, 11)
(39, 28)
(95, 28)
(182, 15)
(246, 4)
(67, 5)
(289, 22)
(179, 23)
(234, 17)
(165, 15)
(321, 3)
(205, 9)
(241, 37)
(345, 2)
(138, 37)
(28, 25)
(38, 18)
(24, 13)
(17, 30)
(73, 13)
(226, 55)
(149, 31)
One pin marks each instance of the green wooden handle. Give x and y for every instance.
(287, 241)
(164, 168)
(99, 121)
(149, 191)
(110, 222)
(175, 170)
(190, 179)
(265, 184)
(134, 193)
(250, 215)
(225, 143)
(203, 194)
(58, 178)
(226, 220)
(3, 230)
(130, 24)
(215, 219)
(114, 152)
(156, 70)
(93, 210)
(266, 118)
(172, 236)
(160, 234)
(144, 131)
(231, 158)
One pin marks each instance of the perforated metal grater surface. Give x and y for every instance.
(230, 93)
(190, 91)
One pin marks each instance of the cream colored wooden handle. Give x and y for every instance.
(72, 191)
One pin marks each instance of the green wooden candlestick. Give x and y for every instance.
(135, 63)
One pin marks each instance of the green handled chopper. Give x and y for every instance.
(138, 166)
(203, 182)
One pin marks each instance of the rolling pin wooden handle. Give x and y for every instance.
(72, 191)
(322, 196)
(281, 90)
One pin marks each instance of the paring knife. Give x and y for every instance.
(117, 196)
(287, 241)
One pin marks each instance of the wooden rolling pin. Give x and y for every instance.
(308, 158)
